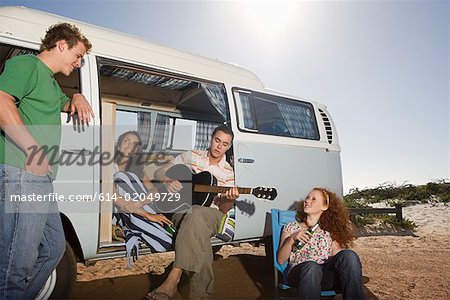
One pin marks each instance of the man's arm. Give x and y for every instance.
(172, 186)
(160, 173)
(15, 129)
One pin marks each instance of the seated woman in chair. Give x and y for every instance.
(314, 246)
(134, 194)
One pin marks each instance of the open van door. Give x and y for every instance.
(79, 167)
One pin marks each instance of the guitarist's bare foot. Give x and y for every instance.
(163, 292)
(168, 288)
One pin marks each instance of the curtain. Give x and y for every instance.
(204, 131)
(298, 120)
(161, 135)
(144, 127)
(247, 110)
(216, 95)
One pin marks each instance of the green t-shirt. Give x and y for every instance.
(39, 100)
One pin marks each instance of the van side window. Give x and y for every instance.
(274, 115)
(171, 112)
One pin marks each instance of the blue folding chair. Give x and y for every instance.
(279, 219)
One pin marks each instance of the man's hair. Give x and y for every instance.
(67, 32)
(224, 129)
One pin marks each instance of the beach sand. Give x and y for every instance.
(397, 264)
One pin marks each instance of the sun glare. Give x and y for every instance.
(269, 19)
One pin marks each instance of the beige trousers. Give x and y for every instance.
(193, 251)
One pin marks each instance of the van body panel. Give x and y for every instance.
(15, 22)
(308, 168)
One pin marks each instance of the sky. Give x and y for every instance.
(380, 67)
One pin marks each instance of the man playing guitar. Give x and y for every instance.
(193, 252)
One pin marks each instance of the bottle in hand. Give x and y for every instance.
(310, 231)
(170, 229)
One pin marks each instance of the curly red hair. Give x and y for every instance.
(334, 220)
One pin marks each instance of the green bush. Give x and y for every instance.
(355, 203)
(404, 223)
(406, 195)
(432, 191)
(363, 220)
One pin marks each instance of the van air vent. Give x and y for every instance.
(328, 128)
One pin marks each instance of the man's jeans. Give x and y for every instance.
(32, 240)
(341, 272)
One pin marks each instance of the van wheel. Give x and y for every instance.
(62, 280)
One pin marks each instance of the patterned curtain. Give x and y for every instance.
(216, 95)
(298, 120)
(161, 135)
(247, 110)
(144, 127)
(204, 131)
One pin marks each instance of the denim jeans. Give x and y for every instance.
(341, 272)
(33, 239)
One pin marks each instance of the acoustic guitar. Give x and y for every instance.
(201, 188)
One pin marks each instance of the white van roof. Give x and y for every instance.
(30, 25)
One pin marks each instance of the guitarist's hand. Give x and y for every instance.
(231, 195)
(226, 200)
(173, 186)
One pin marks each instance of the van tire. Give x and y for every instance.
(61, 282)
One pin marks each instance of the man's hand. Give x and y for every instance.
(231, 195)
(35, 166)
(173, 186)
(225, 201)
(80, 105)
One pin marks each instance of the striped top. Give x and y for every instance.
(198, 161)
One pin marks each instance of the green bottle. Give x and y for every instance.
(310, 232)
(170, 229)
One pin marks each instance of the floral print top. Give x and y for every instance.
(317, 249)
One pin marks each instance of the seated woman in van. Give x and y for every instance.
(133, 203)
(316, 258)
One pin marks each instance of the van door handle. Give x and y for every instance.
(77, 151)
(246, 160)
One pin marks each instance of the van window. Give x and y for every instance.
(164, 131)
(163, 107)
(274, 115)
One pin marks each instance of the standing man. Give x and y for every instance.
(31, 100)
(193, 251)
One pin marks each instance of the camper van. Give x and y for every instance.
(174, 99)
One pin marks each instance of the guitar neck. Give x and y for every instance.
(219, 189)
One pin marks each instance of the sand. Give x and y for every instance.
(397, 264)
